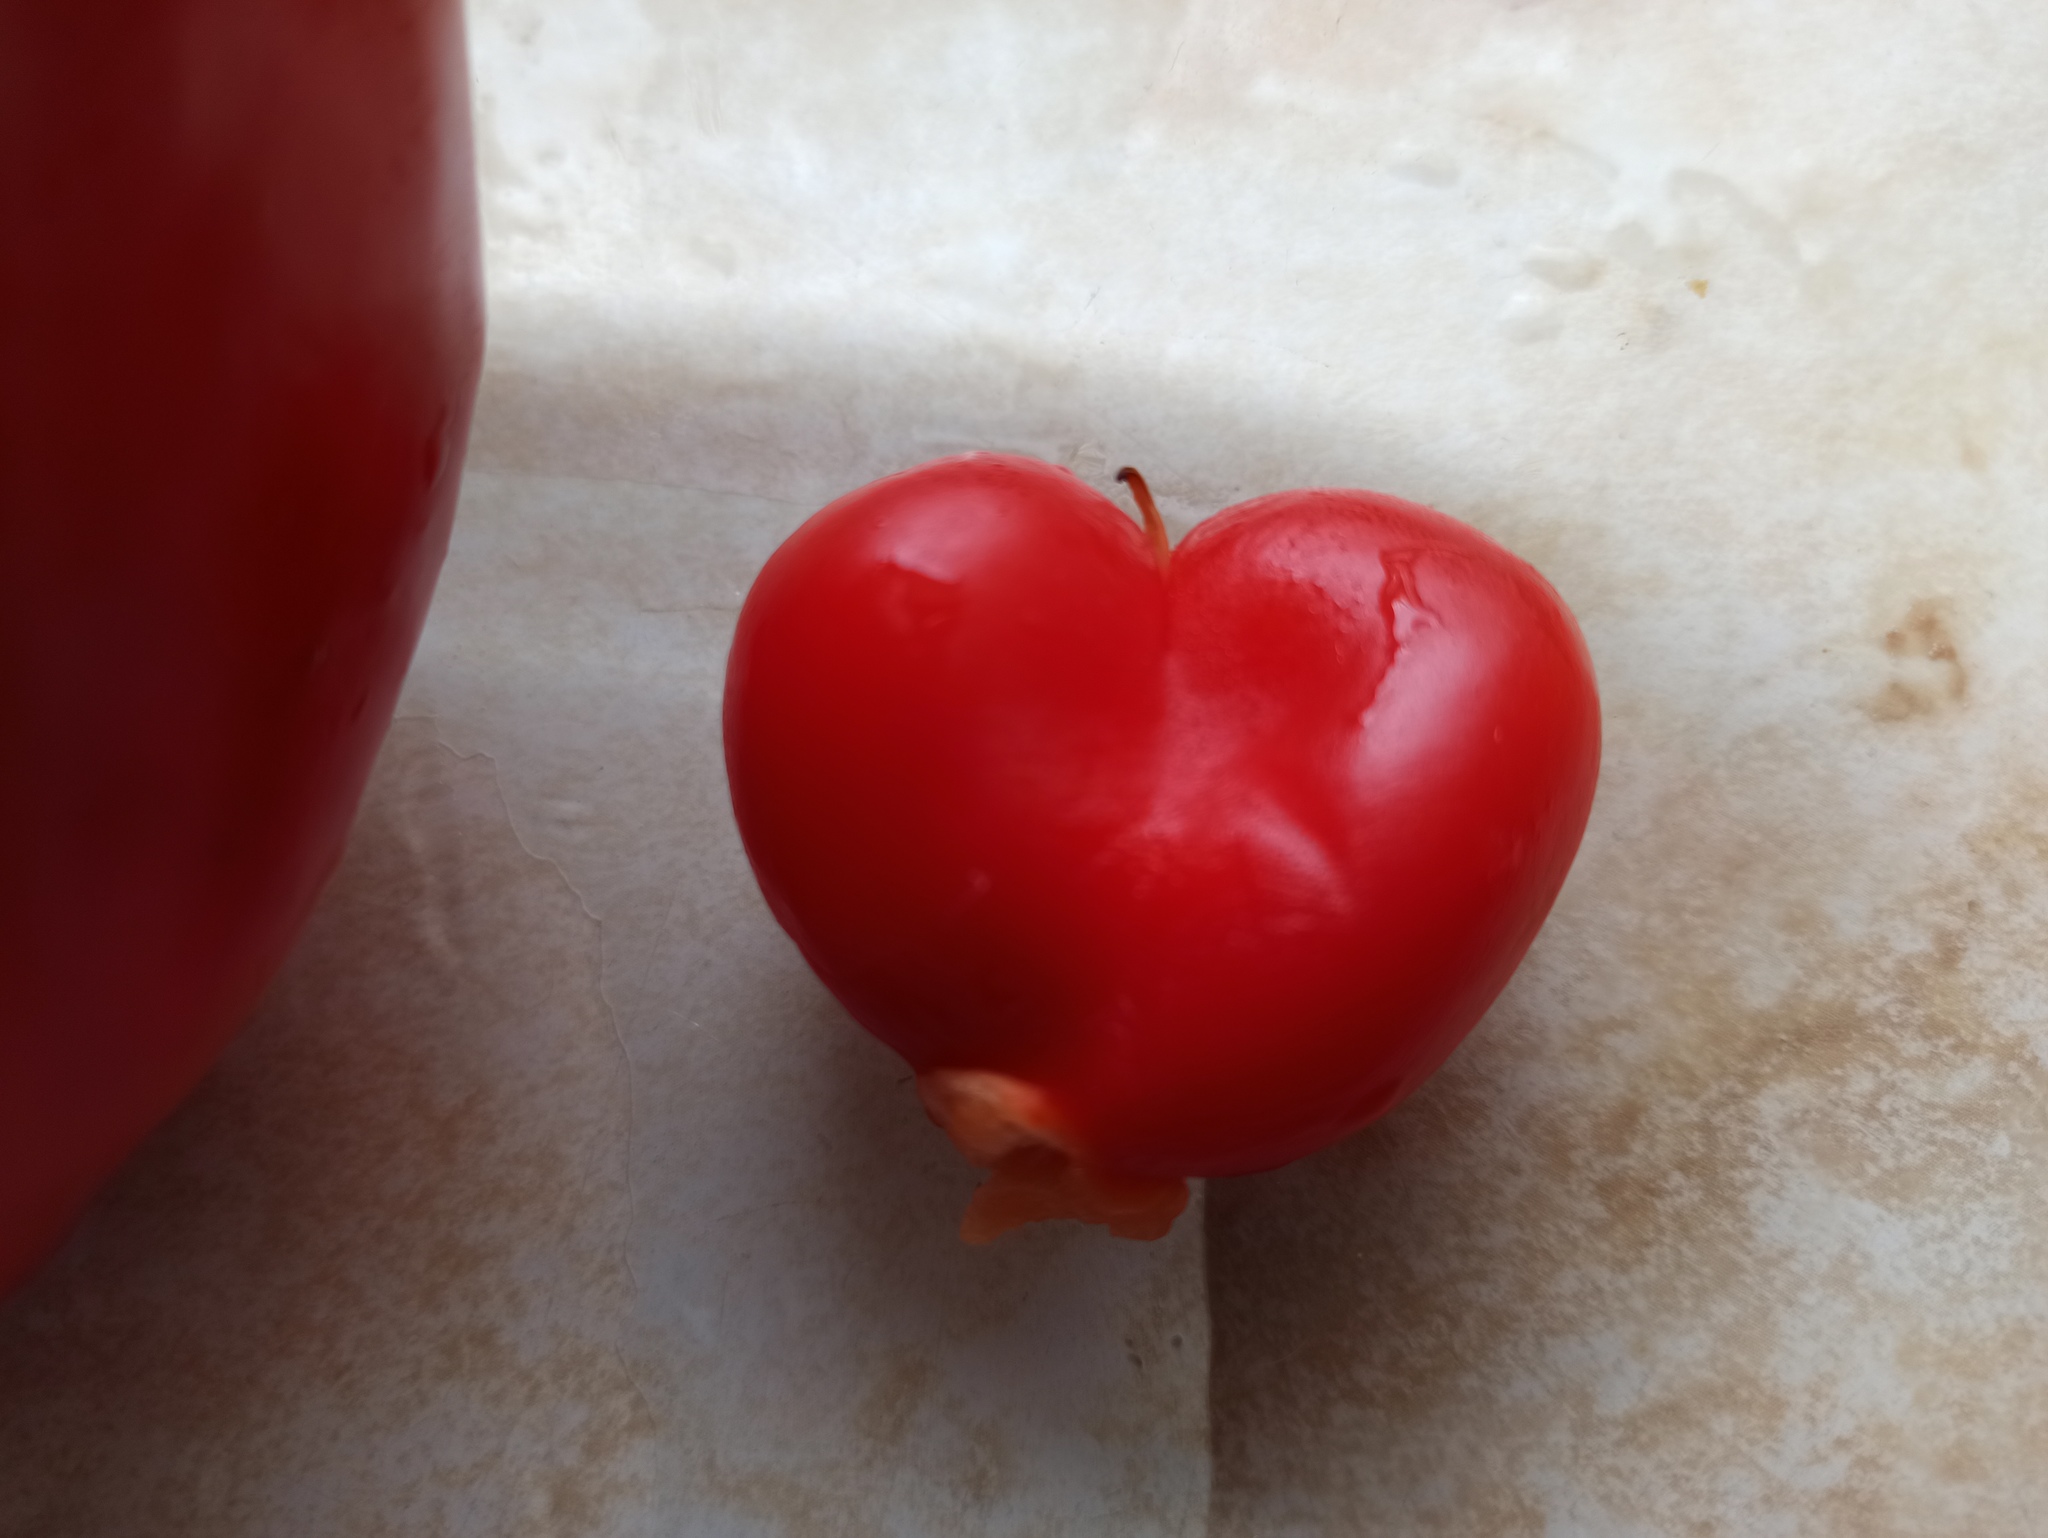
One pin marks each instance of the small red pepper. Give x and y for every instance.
(1154, 863)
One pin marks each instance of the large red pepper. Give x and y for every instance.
(240, 330)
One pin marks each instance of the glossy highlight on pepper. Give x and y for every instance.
(1154, 864)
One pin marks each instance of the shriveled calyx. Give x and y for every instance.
(1038, 1170)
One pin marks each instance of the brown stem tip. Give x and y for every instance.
(1155, 526)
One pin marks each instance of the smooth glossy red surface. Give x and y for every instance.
(240, 328)
(1226, 861)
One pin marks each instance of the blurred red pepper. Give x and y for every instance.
(240, 329)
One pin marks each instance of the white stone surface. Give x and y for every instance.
(550, 1195)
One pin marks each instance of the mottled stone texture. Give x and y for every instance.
(550, 1195)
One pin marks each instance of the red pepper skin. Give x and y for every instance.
(1219, 861)
(240, 330)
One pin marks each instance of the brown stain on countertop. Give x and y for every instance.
(1928, 674)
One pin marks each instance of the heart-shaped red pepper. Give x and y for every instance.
(1154, 865)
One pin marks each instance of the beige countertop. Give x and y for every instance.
(549, 1194)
